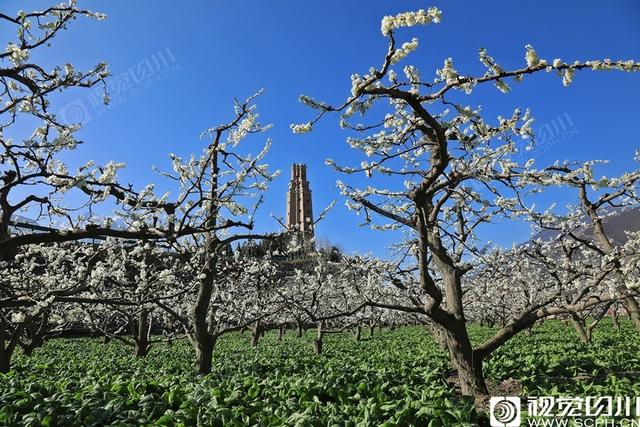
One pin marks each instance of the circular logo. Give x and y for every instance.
(75, 113)
(505, 411)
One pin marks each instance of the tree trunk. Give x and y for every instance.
(614, 318)
(34, 343)
(141, 349)
(439, 336)
(5, 358)
(5, 363)
(300, 333)
(634, 310)
(317, 343)
(358, 333)
(5, 216)
(469, 367)
(204, 355)
(471, 377)
(281, 331)
(583, 333)
(142, 334)
(256, 332)
(371, 331)
(203, 339)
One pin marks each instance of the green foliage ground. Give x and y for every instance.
(395, 378)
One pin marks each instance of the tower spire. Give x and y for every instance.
(299, 205)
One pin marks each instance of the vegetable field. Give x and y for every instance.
(395, 378)
(166, 285)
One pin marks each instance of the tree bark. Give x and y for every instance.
(34, 343)
(468, 365)
(634, 310)
(439, 336)
(5, 361)
(281, 331)
(256, 332)
(142, 334)
(317, 343)
(358, 333)
(204, 340)
(5, 357)
(204, 355)
(450, 320)
(141, 350)
(614, 318)
(583, 333)
(300, 332)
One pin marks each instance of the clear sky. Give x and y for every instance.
(211, 51)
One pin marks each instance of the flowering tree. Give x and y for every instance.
(214, 189)
(35, 181)
(128, 283)
(576, 256)
(242, 294)
(219, 193)
(34, 286)
(33, 178)
(438, 147)
(584, 236)
(333, 295)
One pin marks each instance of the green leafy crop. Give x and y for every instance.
(397, 378)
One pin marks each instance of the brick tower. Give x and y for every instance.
(299, 208)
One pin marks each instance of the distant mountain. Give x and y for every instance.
(616, 224)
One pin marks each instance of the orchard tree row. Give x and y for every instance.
(159, 267)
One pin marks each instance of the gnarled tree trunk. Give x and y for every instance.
(256, 333)
(204, 355)
(5, 358)
(317, 343)
(465, 361)
(299, 328)
(614, 318)
(357, 333)
(634, 310)
(583, 332)
(142, 334)
(203, 340)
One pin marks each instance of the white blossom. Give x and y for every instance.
(409, 19)
(301, 128)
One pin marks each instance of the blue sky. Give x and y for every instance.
(214, 51)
